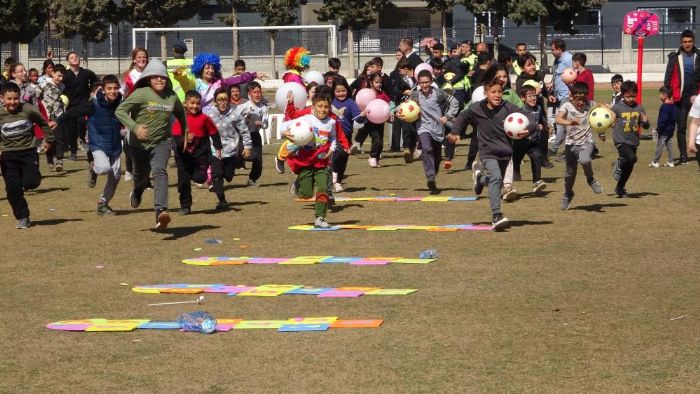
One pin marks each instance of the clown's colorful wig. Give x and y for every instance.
(297, 58)
(204, 58)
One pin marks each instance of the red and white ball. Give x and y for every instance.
(568, 76)
(409, 111)
(515, 126)
(301, 132)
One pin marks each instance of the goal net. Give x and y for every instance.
(254, 43)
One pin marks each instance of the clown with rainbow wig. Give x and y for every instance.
(296, 60)
(206, 78)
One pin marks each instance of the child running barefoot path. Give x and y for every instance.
(19, 161)
(147, 114)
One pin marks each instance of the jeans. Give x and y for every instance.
(110, 165)
(432, 155)
(664, 142)
(495, 169)
(153, 160)
(683, 107)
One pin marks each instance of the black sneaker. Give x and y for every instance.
(91, 178)
(547, 164)
(477, 175)
(149, 185)
(499, 222)
(134, 199)
(468, 166)
(620, 192)
(162, 219)
(73, 157)
(279, 166)
(185, 211)
(222, 206)
(432, 187)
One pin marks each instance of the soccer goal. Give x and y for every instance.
(256, 45)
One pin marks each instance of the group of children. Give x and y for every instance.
(216, 128)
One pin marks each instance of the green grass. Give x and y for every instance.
(562, 302)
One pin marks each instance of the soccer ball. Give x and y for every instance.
(568, 76)
(301, 132)
(600, 119)
(409, 111)
(515, 126)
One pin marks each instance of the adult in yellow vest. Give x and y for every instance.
(521, 51)
(179, 62)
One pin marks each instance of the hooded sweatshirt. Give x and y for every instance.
(145, 107)
(232, 129)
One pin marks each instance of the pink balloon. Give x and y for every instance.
(378, 111)
(364, 96)
(421, 67)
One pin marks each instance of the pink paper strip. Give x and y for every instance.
(340, 294)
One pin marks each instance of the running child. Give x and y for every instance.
(374, 130)
(192, 149)
(19, 161)
(573, 115)
(233, 132)
(49, 93)
(531, 146)
(258, 118)
(629, 115)
(665, 126)
(347, 112)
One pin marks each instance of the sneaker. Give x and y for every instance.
(104, 209)
(538, 186)
(517, 177)
(222, 206)
(185, 211)
(162, 219)
(620, 192)
(199, 185)
(279, 165)
(92, 178)
(320, 222)
(669, 164)
(596, 187)
(338, 188)
(617, 171)
(683, 161)
(128, 176)
(373, 162)
(499, 222)
(432, 187)
(447, 164)
(73, 157)
(23, 223)
(417, 153)
(149, 185)
(566, 202)
(547, 164)
(252, 183)
(293, 189)
(211, 187)
(407, 156)
(355, 149)
(134, 200)
(476, 176)
(654, 164)
(58, 165)
(509, 194)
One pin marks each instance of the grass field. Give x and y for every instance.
(575, 301)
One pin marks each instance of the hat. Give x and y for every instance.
(153, 68)
(180, 46)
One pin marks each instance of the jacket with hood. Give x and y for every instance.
(145, 107)
(104, 129)
(675, 77)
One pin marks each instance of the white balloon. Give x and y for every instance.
(314, 76)
(297, 90)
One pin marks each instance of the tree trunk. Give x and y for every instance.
(85, 50)
(163, 46)
(234, 23)
(543, 43)
(272, 55)
(444, 30)
(351, 52)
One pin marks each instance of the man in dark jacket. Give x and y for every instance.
(406, 47)
(683, 78)
(79, 83)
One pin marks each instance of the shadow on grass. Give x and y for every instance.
(342, 207)
(598, 207)
(543, 193)
(355, 189)
(641, 194)
(550, 180)
(518, 223)
(274, 184)
(132, 211)
(53, 222)
(47, 190)
(179, 232)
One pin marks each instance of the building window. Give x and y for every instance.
(674, 19)
(404, 18)
(494, 26)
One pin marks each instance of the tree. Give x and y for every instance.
(352, 15)
(276, 13)
(160, 13)
(441, 6)
(89, 18)
(21, 20)
(555, 13)
(232, 20)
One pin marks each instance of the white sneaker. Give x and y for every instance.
(338, 188)
(321, 223)
(668, 164)
(538, 186)
(373, 162)
(509, 194)
(417, 154)
(654, 164)
(128, 176)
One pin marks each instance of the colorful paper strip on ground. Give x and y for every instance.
(374, 260)
(294, 324)
(268, 290)
(397, 199)
(395, 227)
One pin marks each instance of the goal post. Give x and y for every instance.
(255, 43)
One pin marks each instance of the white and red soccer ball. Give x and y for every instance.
(301, 132)
(568, 76)
(515, 126)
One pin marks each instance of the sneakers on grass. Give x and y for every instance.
(499, 221)
(596, 187)
(476, 176)
(104, 210)
(538, 186)
(320, 222)
(162, 219)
